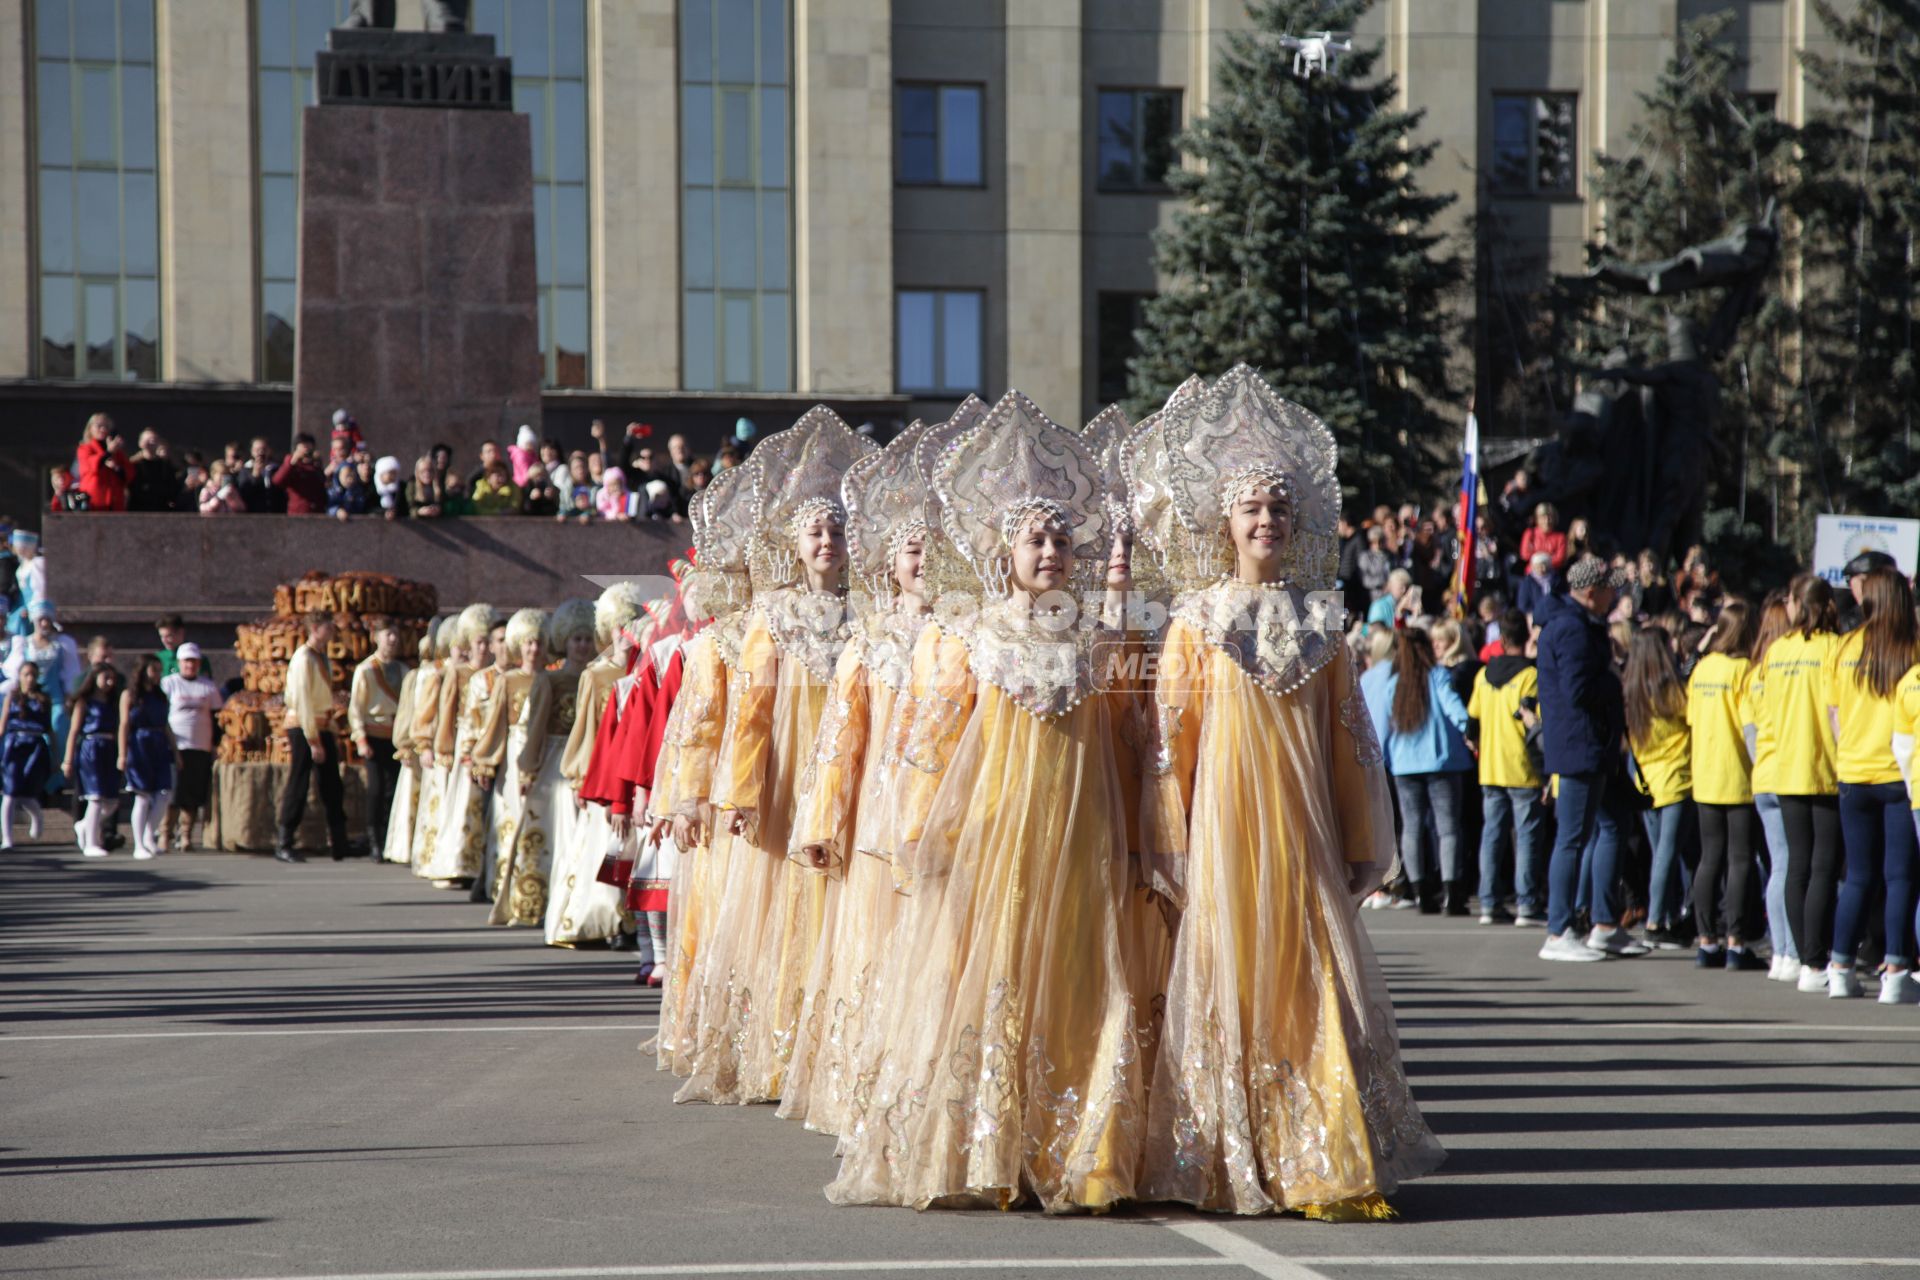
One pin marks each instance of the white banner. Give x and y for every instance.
(1838, 539)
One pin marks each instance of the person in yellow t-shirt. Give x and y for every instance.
(1876, 817)
(1762, 750)
(1662, 747)
(1514, 813)
(1722, 791)
(1901, 892)
(1794, 713)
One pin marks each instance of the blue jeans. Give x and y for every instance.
(1584, 817)
(1876, 831)
(1422, 794)
(1667, 887)
(1779, 932)
(1514, 817)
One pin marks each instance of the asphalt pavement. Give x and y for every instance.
(217, 1067)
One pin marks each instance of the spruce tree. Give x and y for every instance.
(1703, 159)
(1861, 207)
(1305, 248)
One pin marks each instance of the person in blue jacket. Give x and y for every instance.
(1422, 724)
(1582, 718)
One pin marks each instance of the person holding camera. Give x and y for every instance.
(301, 479)
(103, 470)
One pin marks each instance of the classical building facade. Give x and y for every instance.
(747, 204)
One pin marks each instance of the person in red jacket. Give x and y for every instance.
(1544, 536)
(101, 462)
(302, 480)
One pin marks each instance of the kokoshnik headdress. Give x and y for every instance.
(721, 516)
(945, 570)
(885, 499)
(799, 475)
(1105, 433)
(1011, 467)
(1143, 468)
(1242, 435)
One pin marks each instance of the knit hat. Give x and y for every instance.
(528, 437)
(1592, 571)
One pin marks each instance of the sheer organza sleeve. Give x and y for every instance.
(426, 709)
(1170, 755)
(539, 711)
(831, 783)
(1360, 798)
(489, 748)
(683, 776)
(741, 780)
(403, 718)
(941, 693)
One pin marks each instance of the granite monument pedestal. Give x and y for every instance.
(418, 305)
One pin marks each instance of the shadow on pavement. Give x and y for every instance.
(23, 1233)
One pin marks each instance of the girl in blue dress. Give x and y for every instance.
(93, 753)
(146, 754)
(26, 753)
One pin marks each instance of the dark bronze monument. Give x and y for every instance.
(418, 305)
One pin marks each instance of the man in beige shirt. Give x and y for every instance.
(309, 699)
(371, 707)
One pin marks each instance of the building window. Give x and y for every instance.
(939, 340)
(1535, 148)
(287, 34)
(736, 213)
(99, 210)
(939, 139)
(1120, 314)
(547, 40)
(1137, 128)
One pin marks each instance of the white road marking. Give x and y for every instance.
(1236, 1248)
(1246, 1256)
(1909, 1027)
(627, 1028)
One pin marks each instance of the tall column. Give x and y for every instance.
(633, 175)
(16, 245)
(843, 195)
(204, 79)
(1045, 119)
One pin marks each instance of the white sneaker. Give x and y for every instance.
(1842, 984)
(1376, 901)
(1616, 941)
(1773, 968)
(1567, 947)
(1525, 921)
(6, 844)
(35, 824)
(1401, 904)
(1812, 980)
(1789, 970)
(93, 851)
(1898, 987)
(143, 855)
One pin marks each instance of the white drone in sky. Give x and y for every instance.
(1317, 52)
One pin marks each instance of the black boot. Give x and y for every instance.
(1456, 894)
(1430, 897)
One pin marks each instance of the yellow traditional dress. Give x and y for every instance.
(460, 852)
(1278, 1083)
(1010, 1064)
(579, 907)
(771, 909)
(509, 756)
(436, 722)
(406, 792)
(682, 786)
(846, 806)
(547, 811)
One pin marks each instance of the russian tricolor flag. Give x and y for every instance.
(1467, 515)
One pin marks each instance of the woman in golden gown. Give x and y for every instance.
(402, 817)
(1009, 1066)
(507, 757)
(545, 806)
(1278, 1082)
(579, 907)
(436, 719)
(460, 852)
(841, 829)
(770, 915)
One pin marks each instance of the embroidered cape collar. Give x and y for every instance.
(1046, 670)
(886, 641)
(1280, 635)
(808, 626)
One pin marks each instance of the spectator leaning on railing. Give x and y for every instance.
(101, 465)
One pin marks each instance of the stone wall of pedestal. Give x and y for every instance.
(417, 296)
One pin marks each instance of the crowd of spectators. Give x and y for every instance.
(625, 478)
